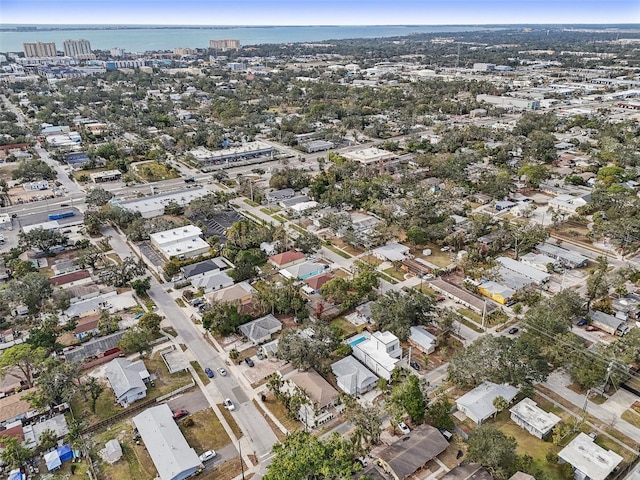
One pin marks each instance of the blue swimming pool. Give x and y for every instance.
(355, 341)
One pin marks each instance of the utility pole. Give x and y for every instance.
(241, 462)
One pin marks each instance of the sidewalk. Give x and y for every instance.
(609, 412)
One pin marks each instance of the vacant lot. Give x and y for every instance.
(154, 172)
(206, 431)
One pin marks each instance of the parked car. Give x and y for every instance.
(208, 455)
(440, 299)
(403, 428)
(415, 365)
(249, 361)
(581, 323)
(446, 434)
(222, 372)
(363, 461)
(591, 328)
(260, 355)
(139, 315)
(228, 404)
(593, 435)
(209, 372)
(513, 330)
(178, 414)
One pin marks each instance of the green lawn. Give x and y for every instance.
(395, 273)
(280, 218)
(249, 202)
(389, 279)
(337, 251)
(206, 432)
(530, 445)
(154, 172)
(269, 210)
(344, 327)
(297, 228)
(471, 315)
(472, 325)
(632, 417)
(196, 366)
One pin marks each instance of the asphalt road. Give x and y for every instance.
(247, 416)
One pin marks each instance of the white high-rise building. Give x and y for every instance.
(78, 49)
(39, 49)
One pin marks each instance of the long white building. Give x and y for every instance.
(182, 242)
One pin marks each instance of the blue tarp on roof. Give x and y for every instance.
(65, 453)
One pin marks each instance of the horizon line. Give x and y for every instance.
(4, 25)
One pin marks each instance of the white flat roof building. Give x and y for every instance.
(477, 404)
(589, 460)
(523, 269)
(367, 156)
(533, 419)
(182, 242)
(380, 352)
(171, 454)
(153, 206)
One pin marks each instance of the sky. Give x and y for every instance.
(318, 12)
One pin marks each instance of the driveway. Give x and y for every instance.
(192, 401)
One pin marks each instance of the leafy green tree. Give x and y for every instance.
(302, 457)
(150, 322)
(98, 197)
(48, 439)
(224, 318)
(440, 413)
(598, 281)
(534, 174)
(494, 450)
(303, 351)
(107, 323)
(95, 389)
(411, 398)
(33, 289)
(14, 453)
(119, 275)
(307, 242)
(135, 340)
(399, 311)
(243, 271)
(23, 357)
(367, 420)
(42, 239)
(58, 382)
(498, 359)
(32, 170)
(20, 267)
(141, 286)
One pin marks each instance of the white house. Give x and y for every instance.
(352, 377)
(533, 419)
(320, 394)
(182, 242)
(478, 403)
(261, 329)
(422, 339)
(127, 380)
(380, 352)
(212, 281)
(391, 252)
(589, 460)
(171, 454)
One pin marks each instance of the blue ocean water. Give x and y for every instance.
(143, 38)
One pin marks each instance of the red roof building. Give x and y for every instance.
(286, 259)
(79, 277)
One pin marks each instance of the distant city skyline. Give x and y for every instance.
(318, 12)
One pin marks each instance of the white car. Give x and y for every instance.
(222, 372)
(403, 428)
(228, 404)
(208, 455)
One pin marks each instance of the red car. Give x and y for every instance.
(180, 414)
(591, 328)
(440, 299)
